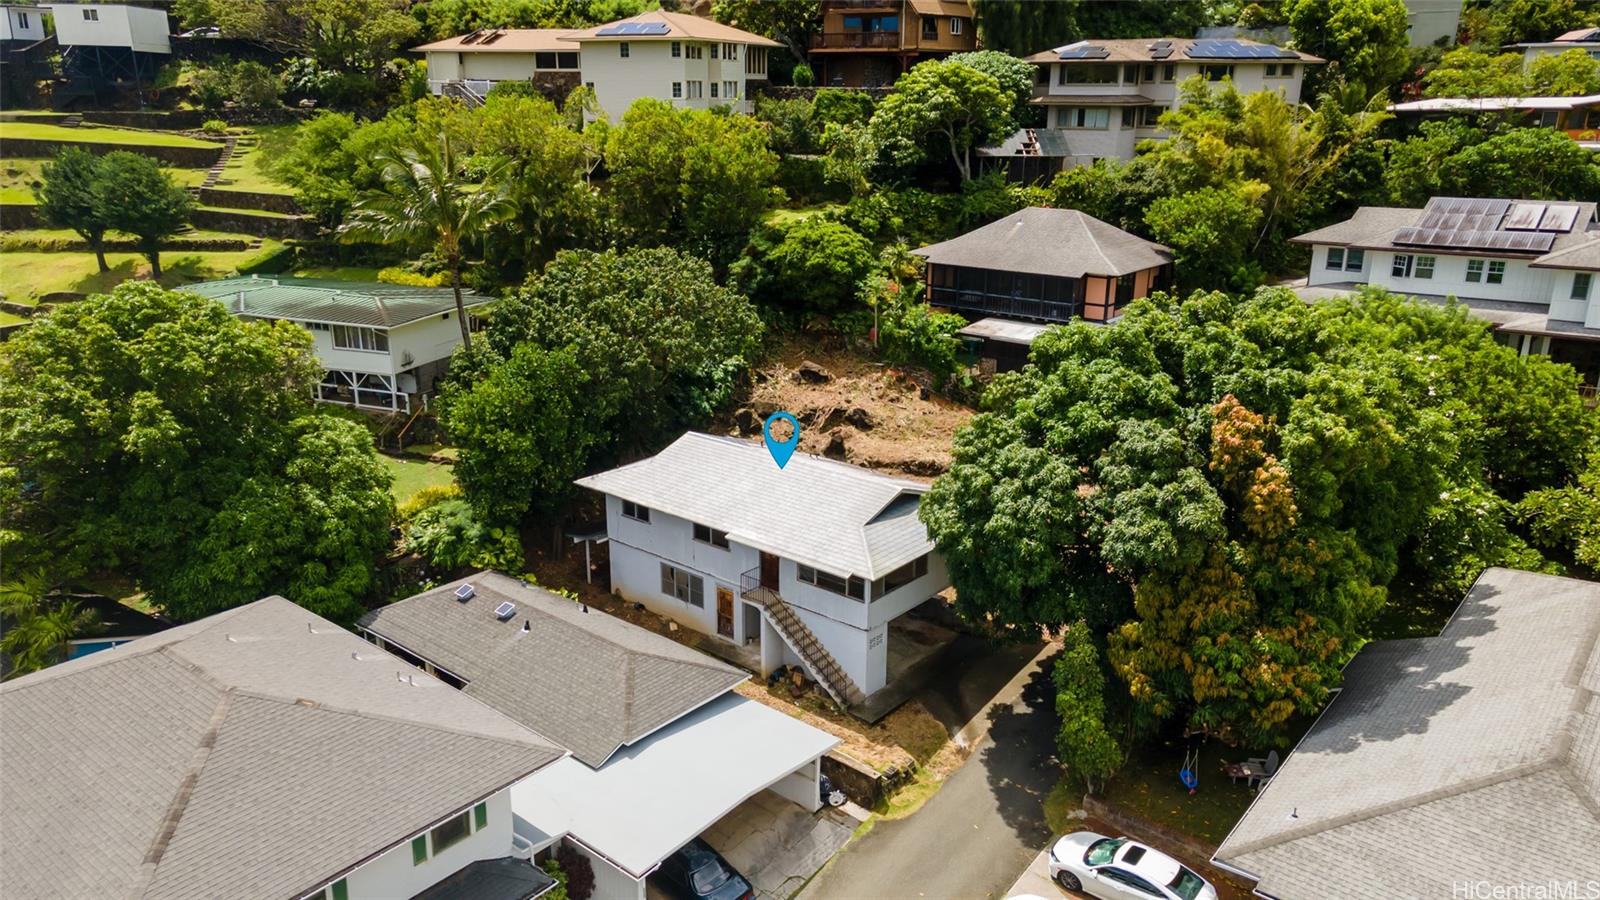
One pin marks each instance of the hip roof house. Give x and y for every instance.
(1470, 758)
(811, 562)
(383, 345)
(262, 752)
(662, 748)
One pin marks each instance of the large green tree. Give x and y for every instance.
(791, 22)
(1367, 39)
(1465, 72)
(349, 35)
(1228, 485)
(941, 108)
(34, 626)
(152, 432)
(1021, 29)
(1571, 73)
(69, 195)
(143, 200)
(1014, 76)
(688, 177)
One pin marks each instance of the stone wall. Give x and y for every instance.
(864, 785)
(14, 216)
(282, 203)
(182, 157)
(242, 222)
(193, 118)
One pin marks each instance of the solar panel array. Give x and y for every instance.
(1085, 51)
(1214, 48)
(1475, 224)
(628, 29)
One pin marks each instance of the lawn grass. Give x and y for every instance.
(19, 174)
(412, 475)
(1063, 800)
(1148, 785)
(27, 276)
(233, 211)
(338, 273)
(247, 168)
(8, 318)
(92, 134)
(787, 216)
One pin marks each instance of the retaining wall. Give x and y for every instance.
(243, 223)
(283, 203)
(14, 216)
(182, 157)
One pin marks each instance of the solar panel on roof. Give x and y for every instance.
(1222, 48)
(625, 29)
(505, 610)
(1476, 239)
(1559, 218)
(494, 36)
(1524, 216)
(1161, 53)
(1087, 51)
(1159, 44)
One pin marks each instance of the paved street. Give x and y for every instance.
(983, 826)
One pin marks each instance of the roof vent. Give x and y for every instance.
(527, 627)
(505, 610)
(465, 593)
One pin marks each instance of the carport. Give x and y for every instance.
(656, 795)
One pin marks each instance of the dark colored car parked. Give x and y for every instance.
(697, 872)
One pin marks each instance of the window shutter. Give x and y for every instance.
(480, 816)
(419, 850)
(341, 891)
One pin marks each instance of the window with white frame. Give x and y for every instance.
(636, 511)
(1424, 267)
(677, 49)
(901, 577)
(714, 87)
(357, 337)
(730, 51)
(1354, 260)
(339, 890)
(1401, 267)
(1150, 116)
(1497, 271)
(955, 25)
(91, 15)
(730, 90)
(1280, 70)
(447, 834)
(853, 586)
(677, 90)
(683, 585)
(1335, 261)
(1169, 72)
(714, 51)
(1581, 282)
(22, 20)
(697, 89)
(694, 51)
(705, 534)
(1475, 270)
(1087, 117)
(622, 49)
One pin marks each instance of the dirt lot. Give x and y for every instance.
(879, 416)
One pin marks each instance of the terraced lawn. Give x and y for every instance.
(18, 175)
(412, 475)
(95, 134)
(246, 169)
(24, 277)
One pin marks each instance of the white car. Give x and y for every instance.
(1120, 869)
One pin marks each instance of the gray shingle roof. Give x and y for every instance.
(1061, 242)
(368, 303)
(1374, 227)
(589, 681)
(1578, 256)
(815, 511)
(245, 755)
(1474, 755)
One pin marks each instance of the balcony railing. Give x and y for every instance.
(856, 40)
(750, 587)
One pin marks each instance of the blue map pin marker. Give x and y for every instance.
(781, 450)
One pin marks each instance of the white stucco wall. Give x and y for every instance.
(135, 27)
(12, 27)
(610, 882)
(443, 65)
(425, 340)
(802, 786)
(649, 70)
(1429, 20)
(393, 875)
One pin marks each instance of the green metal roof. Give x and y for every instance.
(368, 303)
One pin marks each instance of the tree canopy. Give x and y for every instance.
(1021, 29)
(1368, 40)
(143, 200)
(1228, 486)
(153, 431)
(941, 107)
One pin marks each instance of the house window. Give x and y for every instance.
(1280, 70)
(1216, 73)
(1130, 74)
(480, 816)
(1354, 260)
(1401, 267)
(1099, 73)
(714, 50)
(22, 20)
(1169, 72)
(419, 850)
(1335, 259)
(1129, 116)
(955, 25)
(339, 890)
(697, 89)
(1497, 271)
(622, 49)
(901, 577)
(677, 49)
(550, 59)
(684, 585)
(355, 337)
(694, 51)
(730, 90)
(713, 90)
(705, 534)
(930, 28)
(635, 511)
(1150, 116)
(91, 15)
(1475, 270)
(677, 90)
(1148, 73)
(1425, 267)
(1580, 285)
(849, 587)
(450, 832)
(730, 51)
(1084, 117)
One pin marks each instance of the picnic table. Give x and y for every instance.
(1250, 770)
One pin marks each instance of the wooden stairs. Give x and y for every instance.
(824, 669)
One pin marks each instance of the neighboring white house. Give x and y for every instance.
(1528, 266)
(384, 346)
(686, 60)
(1430, 22)
(811, 562)
(1102, 97)
(1585, 39)
(662, 748)
(478, 61)
(263, 752)
(22, 23)
(141, 29)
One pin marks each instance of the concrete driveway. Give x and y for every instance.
(776, 844)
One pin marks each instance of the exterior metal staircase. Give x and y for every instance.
(821, 665)
(463, 92)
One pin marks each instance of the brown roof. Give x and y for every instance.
(1139, 50)
(504, 40)
(1039, 241)
(960, 9)
(680, 26)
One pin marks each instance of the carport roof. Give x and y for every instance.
(657, 795)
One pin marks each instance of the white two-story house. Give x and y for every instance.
(687, 60)
(810, 563)
(385, 346)
(1102, 97)
(262, 753)
(1528, 266)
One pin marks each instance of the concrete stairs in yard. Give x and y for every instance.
(818, 661)
(217, 167)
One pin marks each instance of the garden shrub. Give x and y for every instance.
(426, 498)
(811, 264)
(802, 76)
(911, 333)
(513, 89)
(580, 874)
(214, 126)
(841, 108)
(805, 180)
(451, 535)
(1086, 745)
(398, 275)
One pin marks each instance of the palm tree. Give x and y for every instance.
(33, 629)
(425, 202)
